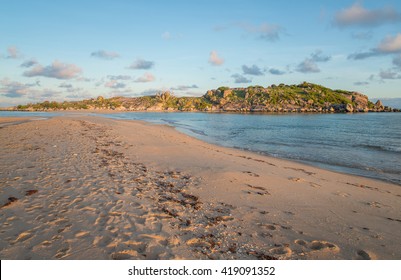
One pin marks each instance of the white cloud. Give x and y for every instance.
(105, 54)
(357, 15)
(119, 77)
(361, 83)
(56, 70)
(252, 70)
(266, 31)
(29, 63)
(13, 89)
(389, 75)
(13, 53)
(239, 79)
(214, 59)
(397, 61)
(182, 87)
(275, 71)
(114, 84)
(146, 78)
(65, 85)
(308, 66)
(141, 64)
(318, 56)
(391, 44)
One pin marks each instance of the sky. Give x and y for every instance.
(73, 50)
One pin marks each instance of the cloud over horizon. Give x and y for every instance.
(107, 55)
(141, 64)
(183, 88)
(265, 31)
(239, 79)
(115, 84)
(13, 89)
(214, 59)
(397, 61)
(389, 45)
(357, 15)
(275, 71)
(13, 53)
(252, 70)
(32, 91)
(145, 78)
(308, 66)
(57, 69)
(29, 63)
(119, 77)
(318, 56)
(389, 75)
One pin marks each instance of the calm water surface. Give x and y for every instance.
(362, 144)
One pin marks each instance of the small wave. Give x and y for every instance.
(196, 131)
(382, 148)
(169, 121)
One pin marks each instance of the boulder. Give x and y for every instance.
(349, 108)
(379, 104)
(360, 100)
(227, 93)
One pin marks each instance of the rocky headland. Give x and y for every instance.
(305, 97)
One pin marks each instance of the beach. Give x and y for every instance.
(84, 187)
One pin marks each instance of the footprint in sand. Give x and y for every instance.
(296, 179)
(62, 252)
(282, 251)
(259, 190)
(125, 255)
(376, 204)
(30, 192)
(267, 226)
(251, 173)
(301, 242)
(363, 255)
(342, 194)
(11, 200)
(317, 245)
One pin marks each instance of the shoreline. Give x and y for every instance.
(334, 168)
(161, 194)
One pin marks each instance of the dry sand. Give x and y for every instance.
(77, 187)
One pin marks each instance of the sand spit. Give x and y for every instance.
(77, 187)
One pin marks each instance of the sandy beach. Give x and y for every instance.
(80, 187)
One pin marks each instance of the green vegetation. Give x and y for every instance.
(275, 98)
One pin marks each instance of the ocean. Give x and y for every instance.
(365, 144)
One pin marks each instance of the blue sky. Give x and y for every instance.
(54, 50)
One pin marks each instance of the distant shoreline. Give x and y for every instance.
(302, 98)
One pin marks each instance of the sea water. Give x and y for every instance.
(361, 144)
(365, 144)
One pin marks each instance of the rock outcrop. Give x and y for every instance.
(305, 97)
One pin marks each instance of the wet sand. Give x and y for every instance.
(78, 187)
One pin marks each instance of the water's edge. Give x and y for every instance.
(365, 145)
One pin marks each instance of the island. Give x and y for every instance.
(302, 98)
